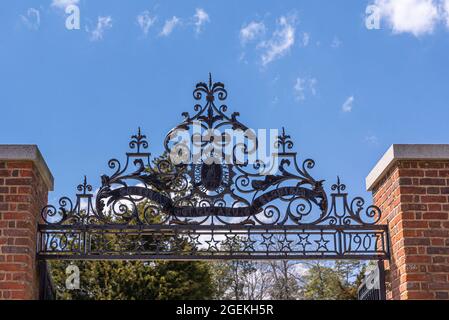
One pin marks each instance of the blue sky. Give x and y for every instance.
(344, 92)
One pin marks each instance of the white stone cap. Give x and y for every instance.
(27, 152)
(405, 152)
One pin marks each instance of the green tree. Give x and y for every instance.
(285, 281)
(230, 276)
(338, 282)
(135, 280)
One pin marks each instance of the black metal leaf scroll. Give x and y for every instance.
(156, 208)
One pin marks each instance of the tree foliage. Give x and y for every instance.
(135, 280)
(339, 282)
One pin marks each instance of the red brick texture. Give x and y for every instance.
(22, 195)
(414, 198)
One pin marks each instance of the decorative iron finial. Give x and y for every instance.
(339, 187)
(138, 140)
(210, 90)
(284, 141)
(84, 187)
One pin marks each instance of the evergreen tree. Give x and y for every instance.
(333, 283)
(135, 280)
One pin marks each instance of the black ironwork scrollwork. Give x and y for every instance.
(202, 193)
(148, 192)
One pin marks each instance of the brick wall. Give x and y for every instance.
(23, 192)
(414, 198)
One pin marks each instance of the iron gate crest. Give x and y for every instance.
(156, 208)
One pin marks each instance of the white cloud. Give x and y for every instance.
(201, 17)
(300, 269)
(312, 85)
(242, 58)
(169, 26)
(305, 39)
(62, 4)
(418, 17)
(251, 31)
(299, 89)
(32, 19)
(446, 11)
(302, 86)
(347, 106)
(103, 24)
(336, 42)
(145, 20)
(281, 41)
(372, 139)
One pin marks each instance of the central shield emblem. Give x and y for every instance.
(211, 176)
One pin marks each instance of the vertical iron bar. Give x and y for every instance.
(340, 247)
(84, 242)
(382, 284)
(42, 275)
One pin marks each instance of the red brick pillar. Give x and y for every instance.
(24, 184)
(411, 186)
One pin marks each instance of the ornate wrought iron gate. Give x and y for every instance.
(155, 208)
(373, 286)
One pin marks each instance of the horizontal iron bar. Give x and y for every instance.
(210, 257)
(74, 228)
